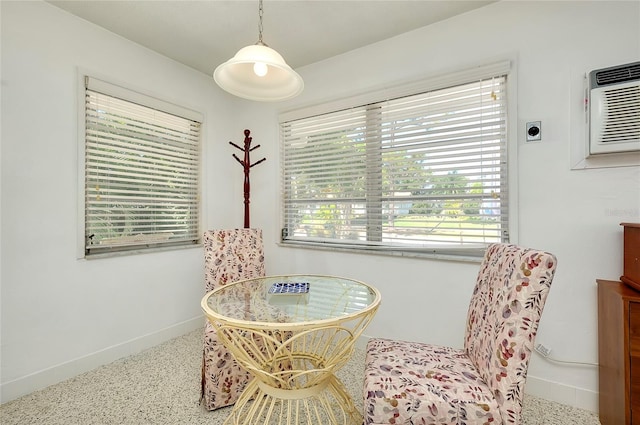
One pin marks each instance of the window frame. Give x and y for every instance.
(505, 67)
(134, 96)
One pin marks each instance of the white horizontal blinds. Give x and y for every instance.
(444, 163)
(324, 175)
(141, 176)
(425, 171)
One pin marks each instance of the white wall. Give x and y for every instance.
(61, 315)
(574, 214)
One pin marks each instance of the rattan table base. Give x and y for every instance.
(329, 403)
(294, 374)
(293, 345)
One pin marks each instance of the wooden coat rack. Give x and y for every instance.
(246, 164)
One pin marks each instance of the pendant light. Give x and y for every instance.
(258, 72)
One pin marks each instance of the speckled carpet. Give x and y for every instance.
(162, 386)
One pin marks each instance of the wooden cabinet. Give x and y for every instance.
(618, 353)
(631, 261)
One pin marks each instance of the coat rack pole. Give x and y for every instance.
(246, 164)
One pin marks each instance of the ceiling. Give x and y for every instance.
(203, 34)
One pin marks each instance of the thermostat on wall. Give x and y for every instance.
(534, 131)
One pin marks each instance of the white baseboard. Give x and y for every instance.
(361, 342)
(561, 393)
(548, 390)
(55, 374)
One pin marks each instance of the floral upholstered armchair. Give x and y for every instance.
(483, 383)
(230, 255)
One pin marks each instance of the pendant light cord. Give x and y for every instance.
(260, 13)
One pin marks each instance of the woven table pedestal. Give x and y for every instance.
(292, 347)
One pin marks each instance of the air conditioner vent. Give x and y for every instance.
(623, 115)
(614, 110)
(618, 75)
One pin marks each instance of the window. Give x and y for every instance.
(421, 172)
(141, 171)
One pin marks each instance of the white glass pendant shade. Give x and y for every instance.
(240, 75)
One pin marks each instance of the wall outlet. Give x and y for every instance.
(542, 350)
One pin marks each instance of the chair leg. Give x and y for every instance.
(202, 379)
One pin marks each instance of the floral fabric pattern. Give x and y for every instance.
(230, 255)
(483, 383)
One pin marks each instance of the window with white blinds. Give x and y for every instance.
(142, 168)
(425, 172)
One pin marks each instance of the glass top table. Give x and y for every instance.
(292, 300)
(292, 333)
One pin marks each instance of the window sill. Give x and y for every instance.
(471, 255)
(121, 253)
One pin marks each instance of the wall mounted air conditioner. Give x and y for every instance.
(614, 109)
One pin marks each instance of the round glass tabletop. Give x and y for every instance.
(289, 299)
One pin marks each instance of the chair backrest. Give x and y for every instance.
(504, 312)
(231, 255)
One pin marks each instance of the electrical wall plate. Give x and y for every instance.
(534, 131)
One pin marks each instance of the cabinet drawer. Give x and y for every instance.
(634, 319)
(634, 361)
(634, 396)
(634, 329)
